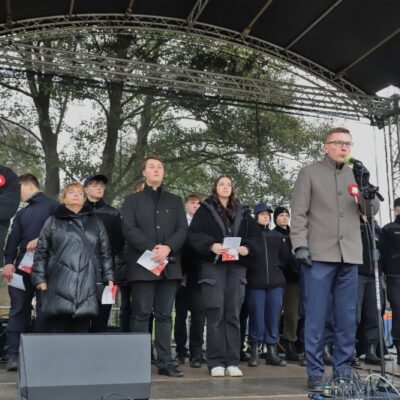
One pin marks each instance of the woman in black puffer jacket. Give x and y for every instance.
(72, 262)
(223, 282)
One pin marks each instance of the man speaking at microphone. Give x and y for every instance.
(327, 242)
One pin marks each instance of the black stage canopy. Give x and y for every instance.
(351, 44)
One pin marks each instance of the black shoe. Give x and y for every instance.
(244, 356)
(326, 355)
(170, 371)
(255, 356)
(371, 357)
(314, 384)
(355, 362)
(272, 357)
(195, 362)
(12, 364)
(290, 351)
(180, 358)
(303, 362)
(397, 346)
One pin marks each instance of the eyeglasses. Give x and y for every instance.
(340, 143)
(71, 193)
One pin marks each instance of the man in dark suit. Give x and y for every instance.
(154, 220)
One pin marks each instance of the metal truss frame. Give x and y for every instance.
(393, 145)
(329, 94)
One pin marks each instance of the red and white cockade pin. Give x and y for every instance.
(2, 180)
(353, 191)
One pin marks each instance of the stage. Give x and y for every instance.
(264, 382)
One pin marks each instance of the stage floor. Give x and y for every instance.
(264, 382)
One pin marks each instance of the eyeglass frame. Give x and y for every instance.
(341, 143)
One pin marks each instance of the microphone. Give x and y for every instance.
(350, 160)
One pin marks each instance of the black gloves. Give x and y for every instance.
(303, 256)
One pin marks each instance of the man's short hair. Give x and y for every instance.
(193, 196)
(335, 130)
(396, 202)
(29, 178)
(152, 157)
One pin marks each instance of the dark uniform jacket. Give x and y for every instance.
(112, 221)
(267, 273)
(367, 267)
(9, 201)
(291, 268)
(70, 269)
(150, 218)
(207, 228)
(390, 247)
(26, 226)
(9, 195)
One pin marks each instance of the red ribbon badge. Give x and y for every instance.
(353, 191)
(2, 180)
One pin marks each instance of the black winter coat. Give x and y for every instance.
(367, 267)
(71, 270)
(112, 221)
(207, 228)
(146, 223)
(267, 271)
(27, 225)
(291, 268)
(390, 247)
(9, 195)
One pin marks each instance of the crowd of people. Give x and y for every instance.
(303, 292)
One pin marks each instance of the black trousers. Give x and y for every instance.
(181, 314)
(100, 322)
(393, 293)
(21, 316)
(159, 297)
(189, 299)
(3, 235)
(223, 291)
(67, 324)
(366, 309)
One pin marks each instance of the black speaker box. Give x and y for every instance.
(84, 366)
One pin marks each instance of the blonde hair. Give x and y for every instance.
(336, 130)
(68, 187)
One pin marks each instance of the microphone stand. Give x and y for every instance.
(369, 192)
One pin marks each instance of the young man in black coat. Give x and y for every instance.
(154, 220)
(23, 237)
(95, 186)
(9, 201)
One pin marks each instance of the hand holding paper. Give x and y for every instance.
(27, 262)
(232, 244)
(109, 294)
(147, 260)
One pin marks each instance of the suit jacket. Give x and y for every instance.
(147, 223)
(325, 217)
